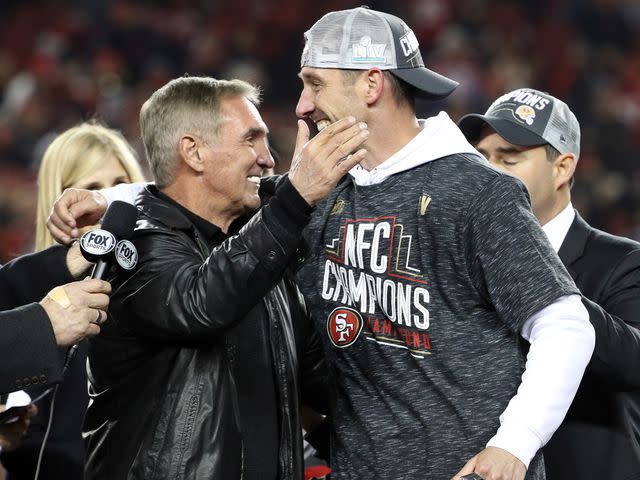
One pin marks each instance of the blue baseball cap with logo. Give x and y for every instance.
(527, 117)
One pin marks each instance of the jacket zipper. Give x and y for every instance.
(287, 455)
(205, 252)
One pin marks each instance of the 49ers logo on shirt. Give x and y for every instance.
(344, 326)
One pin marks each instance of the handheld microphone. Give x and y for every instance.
(97, 246)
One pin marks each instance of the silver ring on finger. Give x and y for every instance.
(97, 319)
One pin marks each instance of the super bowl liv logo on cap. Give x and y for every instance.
(365, 51)
(98, 242)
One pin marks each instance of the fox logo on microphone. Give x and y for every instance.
(344, 326)
(97, 242)
(126, 254)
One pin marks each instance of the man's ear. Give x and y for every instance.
(564, 168)
(375, 83)
(188, 150)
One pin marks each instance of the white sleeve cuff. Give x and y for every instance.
(126, 192)
(518, 440)
(562, 341)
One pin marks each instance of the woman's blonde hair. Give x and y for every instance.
(73, 155)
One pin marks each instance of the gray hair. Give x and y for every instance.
(185, 105)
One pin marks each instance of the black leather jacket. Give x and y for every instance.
(164, 404)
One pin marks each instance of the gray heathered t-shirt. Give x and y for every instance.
(420, 285)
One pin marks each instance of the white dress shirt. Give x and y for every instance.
(557, 228)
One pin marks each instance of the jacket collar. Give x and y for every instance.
(160, 211)
(573, 246)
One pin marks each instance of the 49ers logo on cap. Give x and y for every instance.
(344, 326)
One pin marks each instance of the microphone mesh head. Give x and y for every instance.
(120, 219)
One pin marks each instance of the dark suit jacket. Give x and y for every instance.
(28, 351)
(599, 438)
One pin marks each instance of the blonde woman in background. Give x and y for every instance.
(88, 156)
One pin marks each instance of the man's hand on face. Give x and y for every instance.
(319, 164)
(494, 464)
(72, 210)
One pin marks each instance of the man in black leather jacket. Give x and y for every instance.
(200, 369)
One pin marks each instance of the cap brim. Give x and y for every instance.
(472, 125)
(428, 83)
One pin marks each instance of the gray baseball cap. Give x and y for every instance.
(528, 117)
(361, 38)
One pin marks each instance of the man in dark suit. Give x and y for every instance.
(535, 137)
(34, 323)
(43, 310)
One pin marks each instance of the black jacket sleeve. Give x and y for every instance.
(616, 320)
(28, 351)
(30, 277)
(176, 296)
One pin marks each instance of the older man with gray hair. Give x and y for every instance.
(200, 370)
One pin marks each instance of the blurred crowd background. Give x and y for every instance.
(62, 62)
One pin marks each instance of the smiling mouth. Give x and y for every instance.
(254, 179)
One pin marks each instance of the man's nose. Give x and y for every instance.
(305, 104)
(265, 159)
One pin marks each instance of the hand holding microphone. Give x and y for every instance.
(111, 241)
(77, 309)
